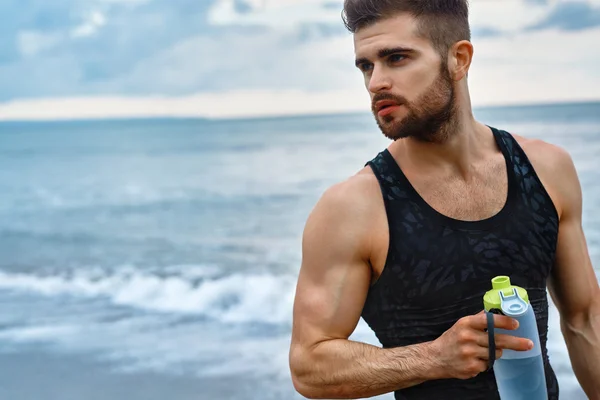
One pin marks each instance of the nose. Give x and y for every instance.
(379, 80)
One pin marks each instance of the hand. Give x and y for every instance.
(463, 350)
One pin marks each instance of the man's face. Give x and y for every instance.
(412, 94)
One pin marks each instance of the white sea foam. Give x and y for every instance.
(236, 298)
(156, 342)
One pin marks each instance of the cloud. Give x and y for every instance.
(525, 67)
(239, 60)
(506, 16)
(32, 43)
(137, 48)
(486, 31)
(23, 20)
(152, 47)
(570, 16)
(90, 26)
(146, 47)
(212, 105)
(87, 45)
(280, 15)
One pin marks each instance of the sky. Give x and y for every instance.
(65, 59)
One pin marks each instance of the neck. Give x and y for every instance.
(465, 142)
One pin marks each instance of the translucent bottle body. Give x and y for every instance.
(521, 375)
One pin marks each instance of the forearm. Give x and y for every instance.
(343, 369)
(583, 341)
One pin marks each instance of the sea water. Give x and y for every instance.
(172, 247)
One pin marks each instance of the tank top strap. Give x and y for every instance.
(530, 187)
(512, 151)
(391, 179)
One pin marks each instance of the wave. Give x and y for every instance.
(236, 298)
(113, 199)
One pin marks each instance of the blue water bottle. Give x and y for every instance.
(519, 374)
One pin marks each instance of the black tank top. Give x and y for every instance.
(438, 268)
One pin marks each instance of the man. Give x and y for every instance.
(412, 241)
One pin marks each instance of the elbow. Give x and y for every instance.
(310, 389)
(306, 390)
(301, 375)
(574, 323)
(304, 377)
(315, 391)
(584, 318)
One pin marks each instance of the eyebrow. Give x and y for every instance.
(382, 53)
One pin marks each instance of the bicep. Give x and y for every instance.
(573, 284)
(334, 278)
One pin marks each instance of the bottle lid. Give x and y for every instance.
(493, 300)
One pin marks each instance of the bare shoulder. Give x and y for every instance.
(352, 199)
(347, 209)
(546, 154)
(555, 168)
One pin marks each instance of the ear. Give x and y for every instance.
(459, 60)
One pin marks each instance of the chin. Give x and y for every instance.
(395, 116)
(391, 120)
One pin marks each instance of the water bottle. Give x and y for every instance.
(519, 374)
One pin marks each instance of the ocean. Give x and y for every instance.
(154, 259)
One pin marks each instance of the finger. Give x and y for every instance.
(505, 322)
(513, 342)
(483, 341)
(478, 367)
(498, 353)
(483, 353)
(479, 322)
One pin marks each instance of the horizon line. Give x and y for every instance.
(300, 115)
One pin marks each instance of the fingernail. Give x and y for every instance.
(530, 345)
(516, 324)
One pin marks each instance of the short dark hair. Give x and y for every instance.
(443, 22)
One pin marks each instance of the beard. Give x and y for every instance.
(430, 118)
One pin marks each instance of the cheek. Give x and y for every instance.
(418, 81)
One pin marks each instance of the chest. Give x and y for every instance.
(435, 263)
(479, 197)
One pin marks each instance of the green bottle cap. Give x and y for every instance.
(491, 299)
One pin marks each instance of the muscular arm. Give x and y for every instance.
(573, 284)
(334, 279)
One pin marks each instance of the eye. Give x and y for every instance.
(365, 67)
(394, 58)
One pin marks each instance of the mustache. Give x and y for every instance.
(400, 100)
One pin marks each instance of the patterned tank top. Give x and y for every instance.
(438, 268)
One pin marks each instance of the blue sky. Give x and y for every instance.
(195, 56)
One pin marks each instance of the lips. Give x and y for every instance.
(384, 107)
(384, 104)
